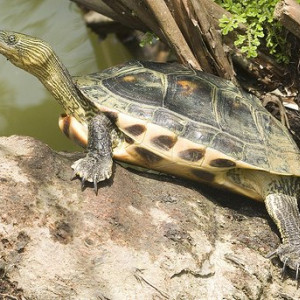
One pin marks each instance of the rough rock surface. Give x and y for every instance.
(143, 237)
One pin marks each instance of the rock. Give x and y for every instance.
(142, 237)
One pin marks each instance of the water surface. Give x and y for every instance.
(26, 108)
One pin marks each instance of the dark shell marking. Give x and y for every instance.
(113, 116)
(136, 129)
(222, 163)
(191, 155)
(164, 142)
(128, 140)
(66, 125)
(147, 155)
(203, 175)
(73, 129)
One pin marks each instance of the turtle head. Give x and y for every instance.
(36, 57)
(24, 51)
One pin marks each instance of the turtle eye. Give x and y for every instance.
(11, 39)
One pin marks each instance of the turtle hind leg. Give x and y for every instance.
(97, 165)
(284, 211)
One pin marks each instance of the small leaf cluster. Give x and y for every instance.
(257, 16)
(148, 38)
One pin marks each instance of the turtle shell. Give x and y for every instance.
(173, 113)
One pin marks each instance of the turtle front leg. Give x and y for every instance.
(284, 211)
(97, 165)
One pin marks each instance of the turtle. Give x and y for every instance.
(173, 119)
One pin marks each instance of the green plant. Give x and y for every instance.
(148, 39)
(257, 16)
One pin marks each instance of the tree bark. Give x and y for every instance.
(172, 33)
(288, 14)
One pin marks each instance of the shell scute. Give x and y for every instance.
(142, 112)
(200, 96)
(259, 158)
(199, 133)
(234, 112)
(229, 145)
(169, 120)
(143, 87)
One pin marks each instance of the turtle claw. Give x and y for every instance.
(74, 176)
(82, 183)
(96, 184)
(289, 254)
(272, 254)
(93, 170)
(284, 267)
(297, 272)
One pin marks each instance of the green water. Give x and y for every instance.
(26, 108)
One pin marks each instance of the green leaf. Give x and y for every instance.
(258, 19)
(240, 40)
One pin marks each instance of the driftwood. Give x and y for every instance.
(205, 41)
(171, 32)
(184, 36)
(288, 13)
(201, 35)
